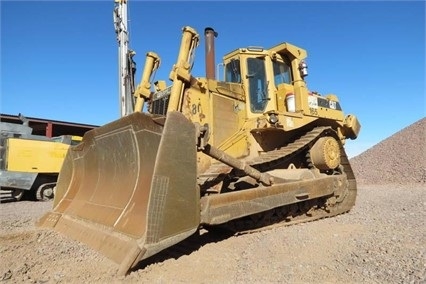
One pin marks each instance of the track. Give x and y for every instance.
(10, 195)
(42, 192)
(304, 211)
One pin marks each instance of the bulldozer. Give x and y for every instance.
(254, 149)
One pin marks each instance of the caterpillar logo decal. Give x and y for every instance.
(315, 102)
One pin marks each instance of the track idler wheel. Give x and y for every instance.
(325, 154)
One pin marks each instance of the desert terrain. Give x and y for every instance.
(381, 240)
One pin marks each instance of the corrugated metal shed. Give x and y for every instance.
(49, 127)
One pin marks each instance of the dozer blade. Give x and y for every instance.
(129, 189)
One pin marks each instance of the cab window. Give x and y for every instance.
(282, 73)
(258, 85)
(233, 72)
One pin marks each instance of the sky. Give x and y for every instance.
(59, 59)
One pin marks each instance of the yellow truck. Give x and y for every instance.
(29, 164)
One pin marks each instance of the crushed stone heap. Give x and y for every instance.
(399, 159)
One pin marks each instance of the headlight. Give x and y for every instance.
(273, 118)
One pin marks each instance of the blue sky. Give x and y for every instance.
(59, 58)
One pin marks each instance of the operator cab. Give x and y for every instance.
(265, 72)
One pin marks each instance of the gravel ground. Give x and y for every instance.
(381, 240)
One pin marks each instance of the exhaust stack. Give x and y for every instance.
(210, 34)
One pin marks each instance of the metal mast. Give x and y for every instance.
(126, 100)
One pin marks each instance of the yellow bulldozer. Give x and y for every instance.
(254, 149)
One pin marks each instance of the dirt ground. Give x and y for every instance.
(382, 240)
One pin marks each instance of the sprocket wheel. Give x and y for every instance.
(325, 154)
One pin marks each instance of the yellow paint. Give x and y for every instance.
(33, 156)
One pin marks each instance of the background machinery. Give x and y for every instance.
(30, 163)
(252, 150)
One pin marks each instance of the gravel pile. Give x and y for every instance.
(399, 159)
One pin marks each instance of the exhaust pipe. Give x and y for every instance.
(210, 34)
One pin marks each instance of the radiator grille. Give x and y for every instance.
(160, 102)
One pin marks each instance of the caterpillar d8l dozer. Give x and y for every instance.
(253, 150)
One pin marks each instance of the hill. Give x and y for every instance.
(399, 159)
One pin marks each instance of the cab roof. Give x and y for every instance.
(282, 48)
